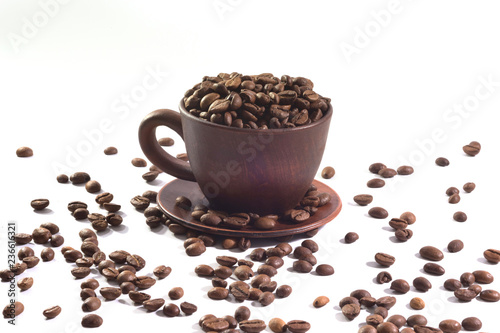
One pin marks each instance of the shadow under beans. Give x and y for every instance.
(394, 239)
(45, 211)
(119, 228)
(419, 256)
(341, 317)
(388, 229)
(160, 230)
(373, 264)
(453, 299)
(484, 261)
(156, 182)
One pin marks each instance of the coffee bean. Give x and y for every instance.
(450, 326)
(277, 325)
(91, 304)
(490, 295)
(321, 301)
(469, 187)
(162, 271)
(223, 272)
(378, 213)
(324, 270)
(397, 320)
(31, 261)
(381, 311)
(138, 297)
(153, 304)
(483, 277)
(328, 172)
(383, 277)
(400, 286)
(79, 178)
(455, 246)
(416, 320)
(283, 291)
(434, 269)
(204, 270)
(110, 151)
(376, 167)
(243, 273)
(39, 204)
(298, 326)
(275, 261)
(351, 311)
(472, 149)
(408, 217)
(41, 235)
(465, 295)
(387, 327)
(252, 326)
(360, 293)
(25, 283)
(25, 252)
(98, 257)
(422, 284)
(91, 321)
(311, 245)
(188, 308)
(139, 162)
(126, 276)
(455, 198)
(452, 284)
(92, 186)
(348, 300)
(136, 261)
(22, 238)
(363, 199)
(472, 324)
(264, 223)
(47, 254)
(442, 162)
(56, 240)
(398, 224)
(144, 282)
(375, 183)
(403, 235)
(110, 293)
(166, 142)
(266, 298)
(467, 279)
(374, 320)
(302, 266)
(62, 179)
(52, 312)
(140, 202)
(19, 268)
(386, 302)
(452, 190)
(384, 259)
(417, 303)
(387, 172)
(351, 237)
(431, 253)
(405, 170)
(218, 293)
(183, 202)
(368, 328)
(492, 255)
(84, 262)
(24, 152)
(476, 289)
(196, 249)
(127, 287)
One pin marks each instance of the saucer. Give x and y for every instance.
(169, 192)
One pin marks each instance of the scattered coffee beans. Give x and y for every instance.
(363, 199)
(378, 213)
(39, 204)
(469, 187)
(431, 253)
(52, 312)
(405, 170)
(472, 324)
(417, 303)
(321, 301)
(460, 217)
(328, 172)
(91, 321)
(383, 277)
(384, 259)
(375, 183)
(492, 255)
(351, 237)
(472, 149)
(442, 162)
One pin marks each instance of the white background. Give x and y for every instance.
(395, 100)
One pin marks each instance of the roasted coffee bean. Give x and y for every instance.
(105, 197)
(73, 206)
(126, 276)
(110, 273)
(450, 326)
(397, 320)
(110, 293)
(465, 295)
(56, 240)
(384, 259)
(408, 217)
(264, 223)
(455, 246)
(89, 248)
(79, 178)
(91, 321)
(127, 287)
(204, 270)
(378, 213)
(47, 254)
(243, 273)
(384, 277)
(84, 262)
(374, 320)
(13, 310)
(375, 183)
(298, 326)
(386, 302)
(25, 252)
(153, 304)
(348, 300)
(452, 284)
(311, 245)
(324, 270)
(460, 217)
(138, 297)
(223, 272)
(417, 303)
(270, 286)
(52, 227)
(166, 142)
(455, 198)
(431, 253)
(259, 254)
(72, 255)
(139, 162)
(351, 311)
(150, 195)
(283, 291)
(144, 282)
(218, 293)
(176, 293)
(434, 269)
(196, 249)
(119, 257)
(92, 186)
(351, 237)
(162, 271)
(367, 328)
(31, 261)
(416, 320)
(467, 279)
(171, 310)
(442, 162)
(301, 252)
(476, 289)
(302, 266)
(150, 176)
(242, 313)
(472, 149)
(483, 277)
(110, 151)
(91, 304)
(363, 199)
(360, 293)
(275, 262)
(469, 187)
(422, 284)
(387, 172)
(90, 283)
(266, 298)
(275, 252)
(490, 295)
(405, 170)
(22, 239)
(80, 214)
(376, 167)
(86, 293)
(492, 255)
(52, 312)
(98, 257)
(140, 202)
(243, 262)
(39, 204)
(398, 224)
(381, 311)
(387, 327)
(321, 301)
(472, 324)
(188, 308)
(41, 235)
(260, 279)
(24, 152)
(183, 202)
(25, 283)
(328, 172)
(136, 261)
(19, 268)
(400, 286)
(403, 235)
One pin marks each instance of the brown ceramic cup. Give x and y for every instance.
(240, 170)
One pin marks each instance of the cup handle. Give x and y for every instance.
(154, 152)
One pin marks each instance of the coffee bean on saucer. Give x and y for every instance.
(328, 172)
(183, 202)
(24, 152)
(139, 162)
(442, 162)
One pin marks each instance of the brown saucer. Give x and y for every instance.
(191, 190)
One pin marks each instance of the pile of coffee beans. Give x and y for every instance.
(256, 101)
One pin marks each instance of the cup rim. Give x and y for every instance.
(326, 117)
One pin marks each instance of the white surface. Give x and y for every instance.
(72, 74)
